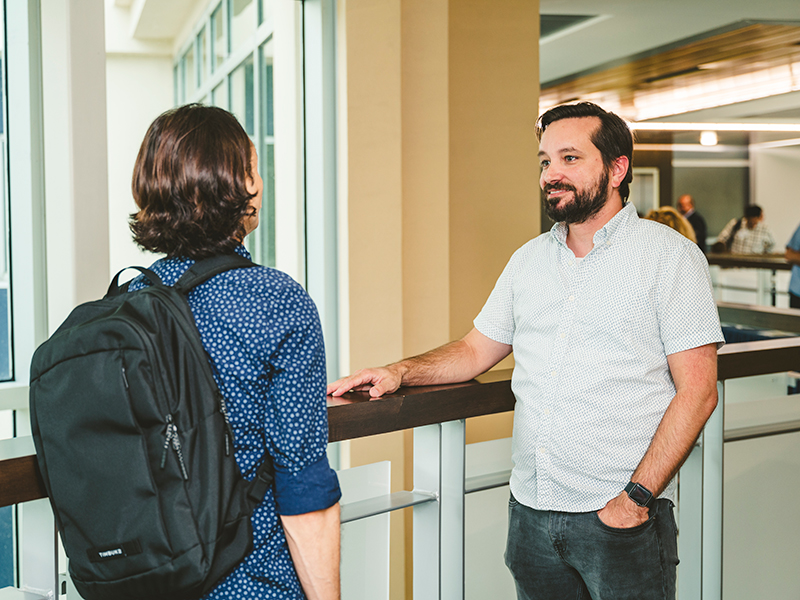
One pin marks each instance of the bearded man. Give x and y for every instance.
(615, 333)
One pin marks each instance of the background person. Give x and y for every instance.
(793, 258)
(198, 191)
(696, 220)
(614, 331)
(748, 235)
(670, 217)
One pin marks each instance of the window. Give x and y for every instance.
(266, 154)
(6, 355)
(23, 312)
(219, 41)
(202, 57)
(243, 21)
(240, 79)
(296, 233)
(190, 71)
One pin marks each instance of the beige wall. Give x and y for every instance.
(440, 182)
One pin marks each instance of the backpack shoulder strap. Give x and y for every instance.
(198, 273)
(264, 478)
(205, 269)
(736, 228)
(115, 289)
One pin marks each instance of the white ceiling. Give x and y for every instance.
(627, 28)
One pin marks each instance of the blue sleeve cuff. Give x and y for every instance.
(314, 488)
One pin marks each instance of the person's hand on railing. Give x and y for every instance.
(379, 381)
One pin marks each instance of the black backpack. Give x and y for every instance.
(135, 448)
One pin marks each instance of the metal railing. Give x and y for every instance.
(765, 286)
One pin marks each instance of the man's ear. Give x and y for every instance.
(618, 171)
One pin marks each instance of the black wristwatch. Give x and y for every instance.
(639, 494)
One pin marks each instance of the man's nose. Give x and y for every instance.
(551, 174)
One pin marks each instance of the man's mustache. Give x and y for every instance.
(558, 186)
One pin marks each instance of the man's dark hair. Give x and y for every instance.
(752, 211)
(190, 183)
(613, 138)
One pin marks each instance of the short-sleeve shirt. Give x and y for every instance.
(794, 244)
(262, 334)
(591, 339)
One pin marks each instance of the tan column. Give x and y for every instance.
(441, 100)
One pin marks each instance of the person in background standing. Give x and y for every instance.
(696, 220)
(748, 235)
(793, 258)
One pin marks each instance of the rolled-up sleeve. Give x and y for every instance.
(296, 421)
(316, 487)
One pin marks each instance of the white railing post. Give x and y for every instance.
(439, 527)
(700, 513)
(427, 468)
(38, 549)
(690, 525)
(713, 438)
(451, 506)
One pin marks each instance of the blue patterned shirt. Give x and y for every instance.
(794, 282)
(591, 339)
(262, 333)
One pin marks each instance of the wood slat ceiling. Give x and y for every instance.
(753, 47)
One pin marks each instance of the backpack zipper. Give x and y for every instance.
(171, 438)
(228, 429)
(125, 379)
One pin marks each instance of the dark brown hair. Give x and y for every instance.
(190, 183)
(613, 138)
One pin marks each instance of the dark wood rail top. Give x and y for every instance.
(776, 262)
(756, 358)
(19, 475)
(354, 415)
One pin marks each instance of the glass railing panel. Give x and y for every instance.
(486, 523)
(761, 467)
(365, 542)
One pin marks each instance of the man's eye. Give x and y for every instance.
(544, 164)
(570, 158)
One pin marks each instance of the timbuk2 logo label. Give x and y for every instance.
(123, 550)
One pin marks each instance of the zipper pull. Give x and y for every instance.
(125, 378)
(167, 440)
(171, 439)
(228, 429)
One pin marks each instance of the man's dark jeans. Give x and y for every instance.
(565, 556)
(794, 301)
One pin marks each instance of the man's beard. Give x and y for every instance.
(584, 206)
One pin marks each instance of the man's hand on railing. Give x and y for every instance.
(379, 381)
(455, 362)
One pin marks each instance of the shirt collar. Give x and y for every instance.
(242, 251)
(615, 227)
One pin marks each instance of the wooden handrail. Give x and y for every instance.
(354, 415)
(772, 262)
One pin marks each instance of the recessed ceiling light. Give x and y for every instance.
(708, 138)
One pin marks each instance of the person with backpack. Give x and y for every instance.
(198, 191)
(748, 235)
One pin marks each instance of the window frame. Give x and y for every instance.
(27, 259)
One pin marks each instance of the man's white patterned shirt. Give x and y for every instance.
(591, 340)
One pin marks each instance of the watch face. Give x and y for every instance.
(640, 495)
